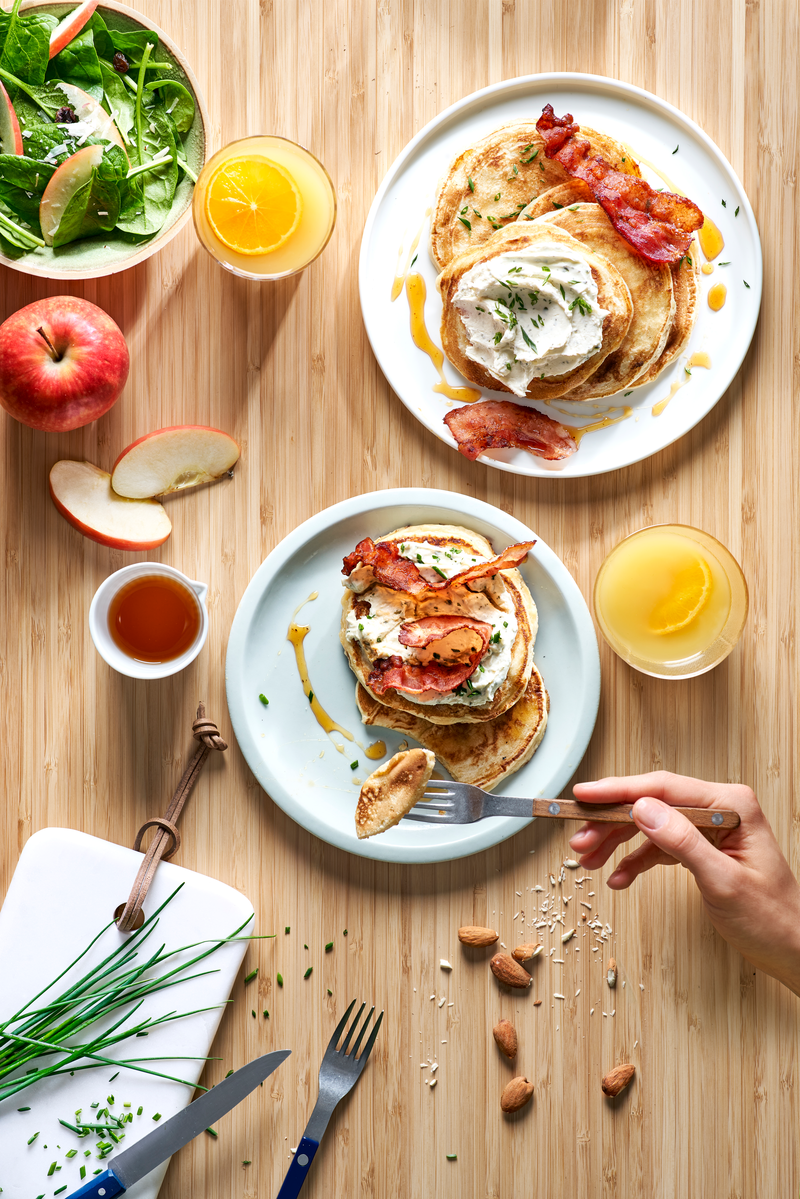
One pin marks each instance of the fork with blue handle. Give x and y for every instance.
(338, 1074)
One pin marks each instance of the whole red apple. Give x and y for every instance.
(63, 363)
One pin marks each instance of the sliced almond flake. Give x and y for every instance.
(441, 1002)
(518, 893)
(560, 961)
(538, 888)
(445, 965)
(635, 1043)
(557, 996)
(584, 904)
(591, 1012)
(614, 1012)
(434, 1067)
(641, 986)
(577, 993)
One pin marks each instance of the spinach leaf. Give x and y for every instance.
(49, 97)
(25, 172)
(119, 101)
(26, 50)
(92, 209)
(114, 164)
(23, 203)
(102, 38)
(178, 102)
(109, 41)
(147, 198)
(40, 139)
(78, 63)
(15, 234)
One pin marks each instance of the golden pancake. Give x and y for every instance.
(392, 790)
(483, 754)
(650, 287)
(506, 589)
(613, 295)
(487, 184)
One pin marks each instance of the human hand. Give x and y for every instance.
(751, 896)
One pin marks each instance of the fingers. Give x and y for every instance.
(630, 867)
(676, 789)
(593, 836)
(671, 832)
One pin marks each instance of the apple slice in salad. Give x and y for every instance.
(10, 135)
(71, 26)
(76, 202)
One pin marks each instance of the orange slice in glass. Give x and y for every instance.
(688, 597)
(253, 205)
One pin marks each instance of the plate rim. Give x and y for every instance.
(586, 639)
(587, 82)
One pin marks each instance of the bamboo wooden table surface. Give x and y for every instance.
(287, 370)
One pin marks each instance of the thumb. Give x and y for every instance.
(677, 836)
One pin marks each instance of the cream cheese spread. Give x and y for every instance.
(531, 314)
(377, 631)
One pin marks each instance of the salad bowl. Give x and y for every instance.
(77, 237)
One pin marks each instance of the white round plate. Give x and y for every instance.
(290, 755)
(652, 128)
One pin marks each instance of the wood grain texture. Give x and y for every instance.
(287, 370)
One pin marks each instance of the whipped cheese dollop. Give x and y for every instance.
(377, 632)
(531, 314)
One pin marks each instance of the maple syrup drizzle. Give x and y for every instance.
(711, 240)
(580, 432)
(659, 407)
(707, 268)
(717, 296)
(400, 276)
(296, 635)
(415, 290)
(376, 750)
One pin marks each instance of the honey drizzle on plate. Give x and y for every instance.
(578, 432)
(659, 407)
(296, 635)
(700, 358)
(415, 290)
(711, 240)
(400, 276)
(717, 296)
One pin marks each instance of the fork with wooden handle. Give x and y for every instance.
(464, 803)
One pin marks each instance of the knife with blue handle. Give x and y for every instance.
(168, 1138)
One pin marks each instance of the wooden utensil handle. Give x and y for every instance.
(620, 813)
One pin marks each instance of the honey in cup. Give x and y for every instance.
(671, 601)
(264, 207)
(154, 618)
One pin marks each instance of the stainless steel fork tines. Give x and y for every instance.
(341, 1069)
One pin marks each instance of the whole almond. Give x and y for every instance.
(506, 1037)
(473, 934)
(524, 953)
(617, 1079)
(507, 971)
(516, 1094)
(611, 974)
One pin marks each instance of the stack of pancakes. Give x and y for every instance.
(503, 194)
(479, 744)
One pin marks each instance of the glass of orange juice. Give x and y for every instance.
(264, 207)
(671, 601)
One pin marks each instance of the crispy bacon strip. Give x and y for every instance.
(419, 634)
(388, 566)
(659, 225)
(417, 678)
(401, 574)
(501, 424)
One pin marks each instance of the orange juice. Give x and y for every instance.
(264, 207)
(671, 600)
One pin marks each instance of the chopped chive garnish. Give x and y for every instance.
(252, 1013)
(747, 285)
(736, 213)
(33, 1138)
(465, 223)
(139, 1111)
(23, 1109)
(329, 946)
(280, 980)
(230, 1072)
(263, 699)
(266, 1014)
(311, 697)
(344, 934)
(453, 1157)
(212, 1132)
(354, 765)
(471, 185)
(330, 992)
(724, 205)
(157, 1116)
(308, 972)
(83, 1172)
(60, 1189)
(52, 1169)
(72, 1153)
(414, 259)
(287, 929)
(677, 148)
(248, 978)
(247, 1163)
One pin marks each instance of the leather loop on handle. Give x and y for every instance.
(167, 840)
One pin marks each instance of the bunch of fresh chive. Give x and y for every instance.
(72, 1032)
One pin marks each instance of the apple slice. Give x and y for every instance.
(71, 26)
(64, 182)
(173, 459)
(96, 121)
(83, 495)
(10, 136)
